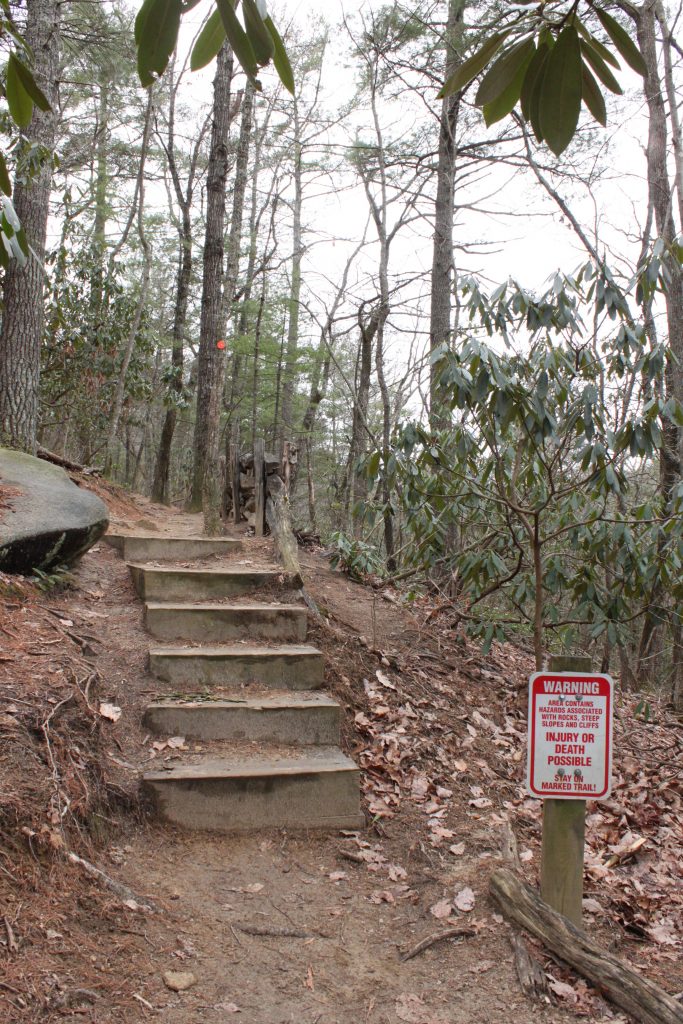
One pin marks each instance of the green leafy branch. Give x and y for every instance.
(549, 62)
(254, 39)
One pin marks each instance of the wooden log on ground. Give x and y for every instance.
(280, 523)
(531, 975)
(58, 460)
(636, 995)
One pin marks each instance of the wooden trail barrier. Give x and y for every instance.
(249, 477)
(564, 828)
(630, 991)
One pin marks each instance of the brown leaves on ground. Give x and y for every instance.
(443, 734)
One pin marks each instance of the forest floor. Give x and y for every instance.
(310, 928)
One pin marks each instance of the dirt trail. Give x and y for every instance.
(307, 928)
(355, 916)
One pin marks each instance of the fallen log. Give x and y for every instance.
(59, 460)
(530, 974)
(638, 996)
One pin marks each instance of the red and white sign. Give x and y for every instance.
(570, 736)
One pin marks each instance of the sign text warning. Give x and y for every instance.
(570, 736)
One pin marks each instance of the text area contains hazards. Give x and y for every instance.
(570, 736)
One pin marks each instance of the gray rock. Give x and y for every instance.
(179, 981)
(48, 520)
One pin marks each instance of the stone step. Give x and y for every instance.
(303, 719)
(157, 548)
(171, 583)
(279, 668)
(216, 623)
(317, 788)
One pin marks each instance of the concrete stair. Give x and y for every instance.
(285, 667)
(168, 583)
(216, 623)
(269, 755)
(290, 718)
(302, 789)
(157, 548)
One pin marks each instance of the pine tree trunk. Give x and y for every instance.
(442, 252)
(23, 314)
(211, 362)
(289, 368)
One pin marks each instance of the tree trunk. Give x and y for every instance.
(211, 360)
(442, 251)
(289, 367)
(119, 393)
(352, 485)
(661, 200)
(23, 315)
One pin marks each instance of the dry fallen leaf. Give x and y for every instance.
(465, 900)
(562, 989)
(384, 680)
(441, 909)
(308, 983)
(457, 849)
(110, 711)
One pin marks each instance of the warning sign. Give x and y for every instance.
(570, 736)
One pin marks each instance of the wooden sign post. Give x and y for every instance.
(570, 761)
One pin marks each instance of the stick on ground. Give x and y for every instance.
(430, 940)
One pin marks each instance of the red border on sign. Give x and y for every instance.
(606, 687)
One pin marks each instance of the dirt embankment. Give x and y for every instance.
(282, 927)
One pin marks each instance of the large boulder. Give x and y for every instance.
(45, 519)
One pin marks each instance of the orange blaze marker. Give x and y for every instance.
(220, 344)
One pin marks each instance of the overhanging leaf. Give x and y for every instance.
(470, 68)
(560, 101)
(531, 77)
(504, 71)
(592, 97)
(260, 38)
(280, 58)
(535, 96)
(623, 42)
(602, 50)
(503, 104)
(156, 34)
(209, 42)
(31, 86)
(238, 38)
(600, 68)
(5, 183)
(18, 100)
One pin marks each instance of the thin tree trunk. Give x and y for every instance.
(352, 485)
(661, 200)
(23, 314)
(289, 368)
(120, 391)
(184, 277)
(211, 362)
(101, 204)
(442, 251)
